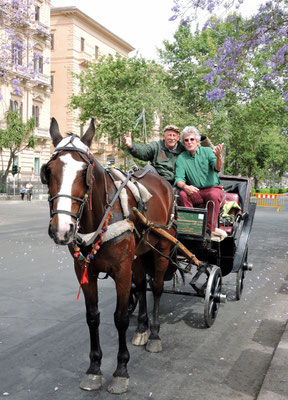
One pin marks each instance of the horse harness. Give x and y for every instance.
(44, 175)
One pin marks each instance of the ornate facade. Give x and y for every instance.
(76, 40)
(25, 78)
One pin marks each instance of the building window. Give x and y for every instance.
(52, 41)
(52, 83)
(13, 105)
(21, 110)
(17, 54)
(82, 44)
(96, 52)
(38, 63)
(35, 114)
(37, 13)
(36, 163)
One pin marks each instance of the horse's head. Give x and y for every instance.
(68, 175)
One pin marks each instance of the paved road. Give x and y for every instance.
(44, 340)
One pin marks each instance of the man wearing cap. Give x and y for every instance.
(162, 154)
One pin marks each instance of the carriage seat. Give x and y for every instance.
(231, 201)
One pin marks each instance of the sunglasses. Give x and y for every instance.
(189, 140)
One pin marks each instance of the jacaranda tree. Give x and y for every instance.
(262, 43)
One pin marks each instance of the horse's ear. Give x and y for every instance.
(89, 134)
(54, 132)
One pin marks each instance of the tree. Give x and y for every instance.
(115, 90)
(16, 137)
(263, 39)
(257, 146)
(252, 126)
(187, 58)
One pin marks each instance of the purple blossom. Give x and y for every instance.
(17, 91)
(16, 81)
(215, 95)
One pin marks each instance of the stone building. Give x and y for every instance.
(25, 78)
(76, 40)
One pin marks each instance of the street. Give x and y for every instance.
(44, 339)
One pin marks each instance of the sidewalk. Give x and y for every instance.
(275, 385)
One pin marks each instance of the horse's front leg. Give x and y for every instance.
(92, 380)
(120, 379)
(140, 337)
(154, 344)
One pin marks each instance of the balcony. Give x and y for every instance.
(98, 148)
(42, 81)
(42, 30)
(84, 59)
(42, 133)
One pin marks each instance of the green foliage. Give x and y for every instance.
(252, 126)
(17, 136)
(270, 190)
(115, 90)
(257, 145)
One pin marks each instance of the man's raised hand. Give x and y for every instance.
(128, 140)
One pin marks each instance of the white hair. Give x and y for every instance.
(188, 130)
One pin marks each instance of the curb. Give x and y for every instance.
(275, 384)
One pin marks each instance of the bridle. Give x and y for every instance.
(89, 183)
(89, 180)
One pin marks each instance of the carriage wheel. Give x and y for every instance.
(240, 279)
(213, 296)
(239, 283)
(133, 299)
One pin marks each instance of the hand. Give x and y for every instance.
(218, 150)
(189, 189)
(128, 140)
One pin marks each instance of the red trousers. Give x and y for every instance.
(200, 198)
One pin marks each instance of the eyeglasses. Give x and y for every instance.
(189, 140)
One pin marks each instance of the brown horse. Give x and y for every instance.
(87, 215)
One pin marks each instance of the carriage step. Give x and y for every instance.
(247, 267)
(220, 298)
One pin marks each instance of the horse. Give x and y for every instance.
(105, 236)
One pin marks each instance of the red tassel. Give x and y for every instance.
(84, 278)
(79, 291)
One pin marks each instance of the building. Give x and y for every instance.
(25, 78)
(76, 40)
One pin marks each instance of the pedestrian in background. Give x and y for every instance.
(22, 192)
(29, 188)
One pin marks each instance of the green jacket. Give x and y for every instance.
(162, 159)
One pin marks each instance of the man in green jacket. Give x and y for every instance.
(163, 153)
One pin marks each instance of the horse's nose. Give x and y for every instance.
(62, 237)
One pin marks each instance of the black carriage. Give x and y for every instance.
(216, 256)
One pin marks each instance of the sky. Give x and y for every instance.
(144, 24)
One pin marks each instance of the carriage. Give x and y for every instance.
(117, 223)
(219, 256)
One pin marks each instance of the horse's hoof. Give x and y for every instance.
(118, 385)
(154, 346)
(139, 339)
(91, 382)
